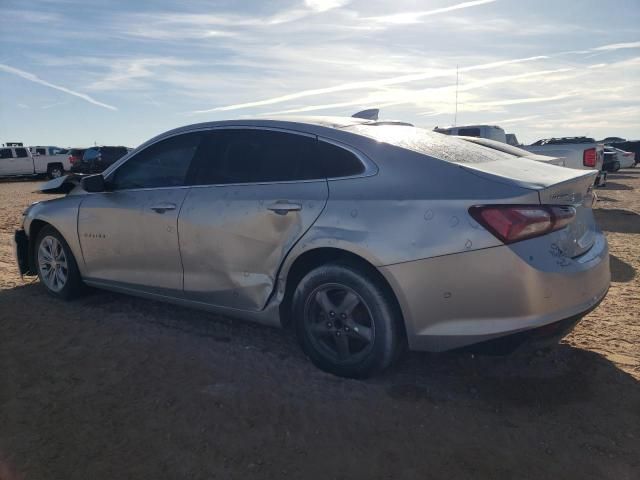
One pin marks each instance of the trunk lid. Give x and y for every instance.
(555, 186)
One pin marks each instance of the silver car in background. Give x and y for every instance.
(365, 237)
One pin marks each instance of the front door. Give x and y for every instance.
(129, 233)
(130, 237)
(258, 197)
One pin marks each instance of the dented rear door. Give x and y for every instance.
(233, 238)
(235, 230)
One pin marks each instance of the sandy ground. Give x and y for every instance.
(113, 387)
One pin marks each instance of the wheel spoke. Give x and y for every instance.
(46, 273)
(60, 276)
(348, 303)
(58, 250)
(44, 254)
(325, 303)
(342, 343)
(49, 246)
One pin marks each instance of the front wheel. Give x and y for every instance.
(57, 267)
(345, 321)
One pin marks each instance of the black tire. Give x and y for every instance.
(378, 341)
(55, 171)
(73, 286)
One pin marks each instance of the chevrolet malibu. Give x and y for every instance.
(366, 237)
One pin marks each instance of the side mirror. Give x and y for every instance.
(93, 183)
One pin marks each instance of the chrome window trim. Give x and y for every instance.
(370, 168)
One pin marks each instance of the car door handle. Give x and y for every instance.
(283, 207)
(163, 207)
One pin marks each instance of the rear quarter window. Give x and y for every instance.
(338, 162)
(6, 153)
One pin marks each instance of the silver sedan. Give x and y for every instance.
(363, 236)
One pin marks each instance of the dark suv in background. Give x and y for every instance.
(97, 159)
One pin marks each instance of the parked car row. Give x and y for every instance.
(364, 236)
(17, 160)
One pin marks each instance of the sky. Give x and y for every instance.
(113, 72)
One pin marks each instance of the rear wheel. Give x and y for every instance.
(55, 171)
(345, 321)
(56, 265)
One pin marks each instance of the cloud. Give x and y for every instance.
(367, 84)
(512, 120)
(616, 46)
(33, 78)
(415, 17)
(128, 73)
(181, 26)
(393, 98)
(520, 101)
(325, 5)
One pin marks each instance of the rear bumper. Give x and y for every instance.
(538, 337)
(458, 300)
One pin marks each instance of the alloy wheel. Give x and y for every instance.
(52, 263)
(339, 323)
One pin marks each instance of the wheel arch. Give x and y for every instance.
(310, 259)
(35, 228)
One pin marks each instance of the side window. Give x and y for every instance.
(41, 151)
(469, 132)
(164, 164)
(5, 153)
(21, 152)
(256, 156)
(337, 161)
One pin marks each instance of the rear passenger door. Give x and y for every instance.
(255, 193)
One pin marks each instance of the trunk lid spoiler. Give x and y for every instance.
(555, 185)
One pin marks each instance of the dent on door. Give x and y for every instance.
(234, 238)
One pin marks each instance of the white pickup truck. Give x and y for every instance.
(580, 153)
(17, 161)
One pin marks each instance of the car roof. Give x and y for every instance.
(317, 125)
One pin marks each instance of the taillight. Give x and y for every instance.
(513, 223)
(589, 157)
(72, 159)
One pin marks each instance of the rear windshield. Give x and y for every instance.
(429, 143)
